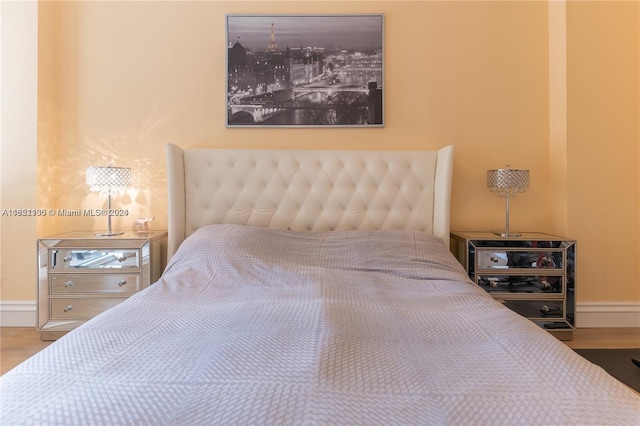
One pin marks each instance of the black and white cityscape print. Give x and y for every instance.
(305, 70)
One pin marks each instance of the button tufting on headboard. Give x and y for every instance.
(308, 190)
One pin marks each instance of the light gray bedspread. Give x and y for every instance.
(261, 326)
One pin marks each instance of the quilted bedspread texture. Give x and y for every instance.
(263, 326)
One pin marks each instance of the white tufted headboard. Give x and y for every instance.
(308, 190)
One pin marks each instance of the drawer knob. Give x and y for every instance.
(68, 284)
(121, 283)
(546, 261)
(494, 259)
(67, 259)
(68, 308)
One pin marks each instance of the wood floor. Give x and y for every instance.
(605, 338)
(19, 343)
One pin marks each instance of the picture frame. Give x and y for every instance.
(305, 70)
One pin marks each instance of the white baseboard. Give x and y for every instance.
(18, 313)
(609, 314)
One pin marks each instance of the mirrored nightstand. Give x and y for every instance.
(81, 275)
(533, 274)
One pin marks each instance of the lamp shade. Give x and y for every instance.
(107, 179)
(507, 182)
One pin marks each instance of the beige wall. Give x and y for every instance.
(134, 76)
(120, 79)
(18, 132)
(603, 134)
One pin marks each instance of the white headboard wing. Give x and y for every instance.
(308, 190)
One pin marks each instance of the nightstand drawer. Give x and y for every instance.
(537, 309)
(84, 258)
(522, 284)
(125, 284)
(80, 309)
(519, 259)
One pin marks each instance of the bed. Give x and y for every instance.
(311, 287)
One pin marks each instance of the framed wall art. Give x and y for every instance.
(305, 70)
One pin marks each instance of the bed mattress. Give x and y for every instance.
(262, 326)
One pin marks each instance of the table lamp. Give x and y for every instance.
(507, 183)
(108, 180)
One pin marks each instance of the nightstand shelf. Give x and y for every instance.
(81, 275)
(533, 274)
